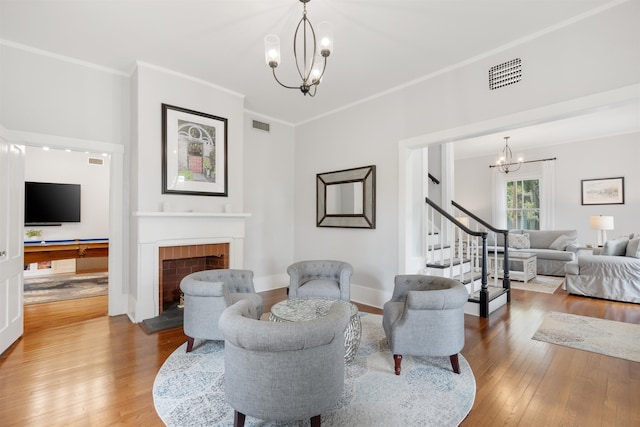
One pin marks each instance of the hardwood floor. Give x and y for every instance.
(76, 366)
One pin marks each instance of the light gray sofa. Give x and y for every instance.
(283, 371)
(614, 276)
(552, 250)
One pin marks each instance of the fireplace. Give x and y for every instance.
(179, 236)
(176, 262)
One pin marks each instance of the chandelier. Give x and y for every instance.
(315, 51)
(505, 159)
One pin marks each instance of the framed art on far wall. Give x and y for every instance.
(603, 191)
(194, 153)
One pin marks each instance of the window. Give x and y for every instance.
(523, 204)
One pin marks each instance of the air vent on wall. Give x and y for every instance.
(96, 161)
(505, 74)
(261, 126)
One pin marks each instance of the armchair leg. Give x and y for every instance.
(455, 364)
(398, 360)
(238, 419)
(190, 344)
(315, 421)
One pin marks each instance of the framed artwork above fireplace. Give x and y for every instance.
(194, 153)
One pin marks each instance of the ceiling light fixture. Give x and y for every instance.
(505, 159)
(311, 69)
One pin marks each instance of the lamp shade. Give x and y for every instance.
(601, 222)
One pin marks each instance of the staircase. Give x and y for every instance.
(457, 250)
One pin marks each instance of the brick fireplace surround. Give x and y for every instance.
(176, 262)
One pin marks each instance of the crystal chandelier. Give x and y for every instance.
(505, 159)
(315, 51)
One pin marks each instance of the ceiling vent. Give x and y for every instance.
(265, 127)
(505, 74)
(96, 161)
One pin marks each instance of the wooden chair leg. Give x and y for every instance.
(455, 364)
(190, 344)
(238, 419)
(398, 361)
(315, 421)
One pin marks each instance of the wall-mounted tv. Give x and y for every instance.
(47, 203)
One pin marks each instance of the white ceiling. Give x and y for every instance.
(379, 44)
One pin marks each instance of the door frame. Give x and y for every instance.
(118, 220)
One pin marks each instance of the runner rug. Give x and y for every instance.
(65, 287)
(601, 336)
(545, 284)
(189, 388)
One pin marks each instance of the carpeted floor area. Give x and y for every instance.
(601, 336)
(189, 388)
(65, 287)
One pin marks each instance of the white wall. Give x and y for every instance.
(73, 167)
(588, 57)
(48, 95)
(575, 161)
(155, 86)
(268, 196)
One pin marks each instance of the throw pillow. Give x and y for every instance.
(633, 247)
(616, 246)
(561, 243)
(519, 241)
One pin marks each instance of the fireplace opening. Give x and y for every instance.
(176, 262)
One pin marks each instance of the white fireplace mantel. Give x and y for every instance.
(152, 230)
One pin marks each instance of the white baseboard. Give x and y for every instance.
(360, 294)
(269, 283)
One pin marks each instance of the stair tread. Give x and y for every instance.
(494, 292)
(447, 262)
(468, 277)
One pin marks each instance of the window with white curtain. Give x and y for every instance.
(523, 204)
(530, 204)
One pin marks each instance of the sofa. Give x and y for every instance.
(612, 272)
(553, 248)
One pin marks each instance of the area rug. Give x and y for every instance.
(545, 284)
(189, 388)
(601, 336)
(65, 287)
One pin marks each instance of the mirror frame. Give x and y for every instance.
(367, 176)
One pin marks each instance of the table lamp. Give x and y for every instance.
(601, 223)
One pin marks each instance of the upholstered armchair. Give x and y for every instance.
(206, 295)
(425, 317)
(283, 371)
(321, 278)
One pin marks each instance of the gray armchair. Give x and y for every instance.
(283, 371)
(206, 295)
(320, 278)
(425, 317)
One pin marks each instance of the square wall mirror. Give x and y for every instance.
(347, 198)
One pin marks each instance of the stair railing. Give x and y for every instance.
(506, 280)
(484, 290)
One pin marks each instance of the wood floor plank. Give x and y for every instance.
(76, 366)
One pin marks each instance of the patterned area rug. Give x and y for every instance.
(545, 284)
(601, 336)
(57, 288)
(189, 388)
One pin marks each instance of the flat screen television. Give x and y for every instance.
(51, 203)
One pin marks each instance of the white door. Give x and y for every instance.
(11, 242)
